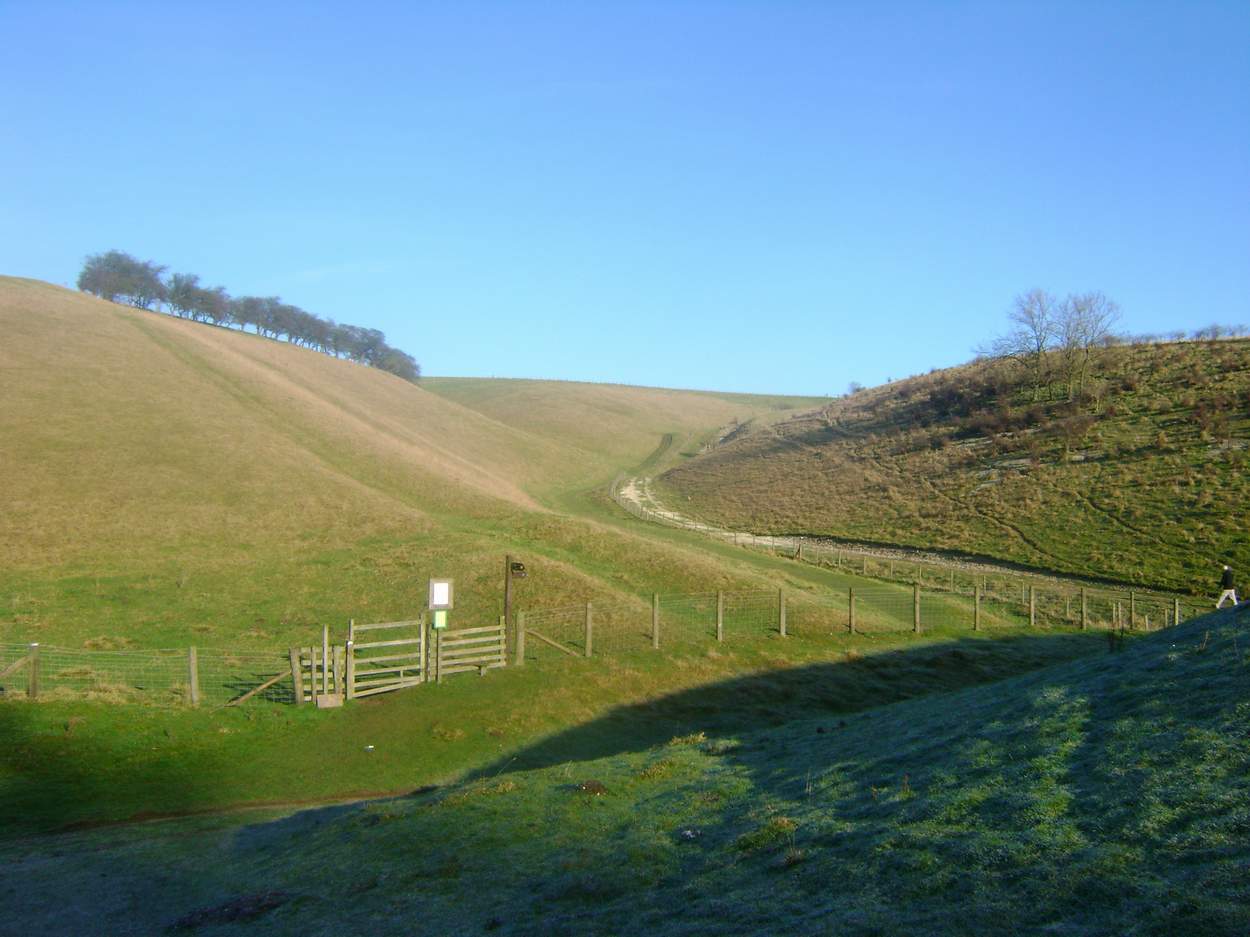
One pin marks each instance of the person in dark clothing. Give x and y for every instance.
(1226, 583)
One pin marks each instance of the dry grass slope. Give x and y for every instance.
(166, 482)
(1141, 478)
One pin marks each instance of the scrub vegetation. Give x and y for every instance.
(1130, 466)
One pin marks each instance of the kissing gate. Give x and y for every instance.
(391, 655)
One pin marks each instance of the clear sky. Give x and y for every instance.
(764, 196)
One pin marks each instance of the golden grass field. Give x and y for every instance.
(169, 481)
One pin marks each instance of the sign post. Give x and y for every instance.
(511, 570)
(442, 596)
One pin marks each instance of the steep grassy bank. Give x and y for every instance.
(1139, 476)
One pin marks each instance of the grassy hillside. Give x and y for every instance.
(1109, 795)
(164, 482)
(611, 423)
(1140, 475)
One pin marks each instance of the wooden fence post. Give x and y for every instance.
(850, 616)
(976, 606)
(1176, 611)
(1132, 611)
(438, 655)
(349, 685)
(590, 628)
(720, 616)
(655, 620)
(865, 564)
(1084, 610)
(297, 677)
(520, 639)
(915, 593)
(32, 685)
(1032, 607)
(325, 659)
(337, 653)
(193, 677)
(781, 611)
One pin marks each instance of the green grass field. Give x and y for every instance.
(1107, 795)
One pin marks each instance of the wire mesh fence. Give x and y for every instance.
(677, 623)
(1005, 596)
(153, 677)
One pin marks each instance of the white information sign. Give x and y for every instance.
(440, 594)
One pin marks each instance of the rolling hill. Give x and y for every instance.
(1139, 476)
(165, 481)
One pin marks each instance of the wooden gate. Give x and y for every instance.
(469, 650)
(395, 659)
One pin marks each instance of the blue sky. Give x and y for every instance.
(778, 197)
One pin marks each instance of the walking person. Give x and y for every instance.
(1226, 583)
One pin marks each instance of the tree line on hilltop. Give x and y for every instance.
(118, 277)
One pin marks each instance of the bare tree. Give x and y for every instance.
(1035, 328)
(1084, 325)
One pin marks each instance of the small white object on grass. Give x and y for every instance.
(368, 748)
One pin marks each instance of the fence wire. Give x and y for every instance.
(152, 677)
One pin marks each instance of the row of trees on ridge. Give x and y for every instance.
(119, 277)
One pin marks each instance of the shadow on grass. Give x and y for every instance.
(52, 772)
(774, 698)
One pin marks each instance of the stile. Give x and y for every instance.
(325, 659)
